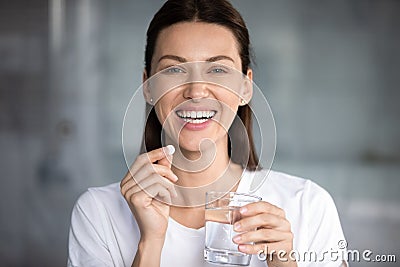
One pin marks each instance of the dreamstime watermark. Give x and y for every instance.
(341, 253)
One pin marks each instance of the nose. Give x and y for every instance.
(195, 91)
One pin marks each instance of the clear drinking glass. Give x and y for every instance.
(222, 211)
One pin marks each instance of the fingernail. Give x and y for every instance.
(242, 248)
(237, 226)
(170, 149)
(237, 239)
(176, 178)
(243, 210)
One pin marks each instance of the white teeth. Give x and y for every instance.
(195, 121)
(195, 116)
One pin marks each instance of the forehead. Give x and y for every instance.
(196, 41)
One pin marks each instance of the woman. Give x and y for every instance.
(138, 221)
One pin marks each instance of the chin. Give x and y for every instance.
(194, 143)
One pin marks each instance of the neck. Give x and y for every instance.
(200, 172)
(199, 168)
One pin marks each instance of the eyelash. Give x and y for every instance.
(218, 70)
(173, 70)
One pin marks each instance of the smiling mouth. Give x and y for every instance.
(195, 116)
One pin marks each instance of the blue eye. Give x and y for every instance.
(218, 70)
(174, 70)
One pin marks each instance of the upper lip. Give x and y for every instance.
(195, 107)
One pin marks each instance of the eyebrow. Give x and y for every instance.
(183, 60)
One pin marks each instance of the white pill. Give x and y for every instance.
(170, 149)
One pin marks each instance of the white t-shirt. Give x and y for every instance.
(104, 232)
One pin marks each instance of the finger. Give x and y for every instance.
(144, 198)
(150, 169)
(147, 170)
(127, 185)
(261, 207)
(158, 192)
(128, 177)
(262, 235)
(167, 161)
(159, 153)
(267, 248)
(263, 220)
(253, 248)
(152, 179)
(152, 156)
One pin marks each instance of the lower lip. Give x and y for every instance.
(196, 126)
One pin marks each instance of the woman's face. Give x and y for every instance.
(196, 111)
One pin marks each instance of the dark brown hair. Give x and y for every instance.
(219, 12)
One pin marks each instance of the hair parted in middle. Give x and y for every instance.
(220, 12)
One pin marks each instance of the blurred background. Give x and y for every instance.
(329, 69)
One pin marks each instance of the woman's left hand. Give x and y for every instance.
(267, 227)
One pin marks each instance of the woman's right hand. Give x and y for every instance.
(148, 188)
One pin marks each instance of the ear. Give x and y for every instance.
(247, 89)
(146, 88)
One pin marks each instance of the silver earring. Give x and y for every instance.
(151, 100)
(243, 102)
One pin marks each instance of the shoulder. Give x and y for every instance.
(101, 192)
(111, 191)
(297, 184)
(97, 207)
(99, 199)
(284, 179)
(263, 179)
(281, 187)
(95, 216)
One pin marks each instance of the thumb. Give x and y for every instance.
(167, 160)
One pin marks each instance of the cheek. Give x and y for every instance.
(162, 111)
(164, 107)
(229, 106)
(229, 100)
